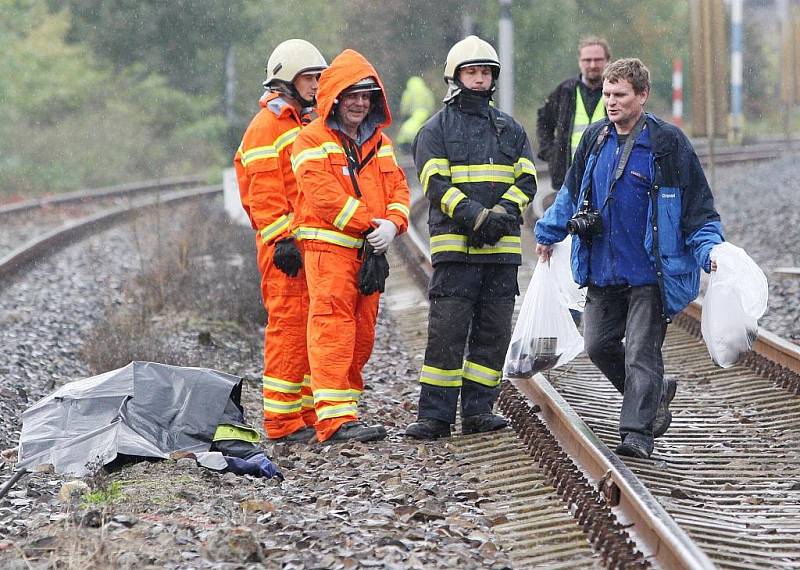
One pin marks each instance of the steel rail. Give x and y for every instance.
(16, 261)
(656, 532)
(130, 189)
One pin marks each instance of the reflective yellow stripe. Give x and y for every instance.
(307, 380)
(440, 377)
(402, 208)
(278, 385)
(387, 151)
(307, 402)
(517, 196)
(278, 407)
(316, 153)
(328, 395)
(506, 244)
(481, 374)
(582, 120)
(524, 166)
(276, 228)
(329, 236)
(440, 166)
(337, 411)
(230, 431)
(258, 153)
(450, 200)
(347, 213)
(286, 139)
(482, 173)
(458, 243)
(449, 242)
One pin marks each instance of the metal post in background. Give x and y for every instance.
(709, 88)
(230, 98)
(737, 117)
(506, 45)
(677, 92)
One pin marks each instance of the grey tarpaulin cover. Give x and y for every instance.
(143, 409)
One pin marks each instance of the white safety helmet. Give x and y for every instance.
(470, 51)
(292, 58)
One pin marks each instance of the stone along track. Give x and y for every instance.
(723, 488)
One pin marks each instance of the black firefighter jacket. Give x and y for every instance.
(554, 129)
(470, 157)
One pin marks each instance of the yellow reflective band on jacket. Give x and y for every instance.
(271, 150)
(347, 213)
(280, 407)
(337, 411)
(582, 120)
(440, 166)
(517, 196)
(328, 236)
(278, 385)
(387, 151)
(481, 374)
(524, 166)
(440, 377)
(306, 380)
(316, 153)
(450, 200)
(307, 402)
(458, 243)
(482, 173)
(330, 395)
(242, 433)
(402, 208)
(506, 244)
(276, 228)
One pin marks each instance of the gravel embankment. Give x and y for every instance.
(392, 504)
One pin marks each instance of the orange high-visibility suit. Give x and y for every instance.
(269, 193)
(330, 220)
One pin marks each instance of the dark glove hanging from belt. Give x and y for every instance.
(374, 271)
(490, 227)
(287, 257)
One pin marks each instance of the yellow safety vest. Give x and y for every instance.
(582, 118)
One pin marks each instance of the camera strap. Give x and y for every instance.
(628, 148)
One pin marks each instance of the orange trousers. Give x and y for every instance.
(288, 403)
(341, 333)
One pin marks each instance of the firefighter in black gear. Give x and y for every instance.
(476, 168)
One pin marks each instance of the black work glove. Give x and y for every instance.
(287, 257)
(373, 273)
(494, 227)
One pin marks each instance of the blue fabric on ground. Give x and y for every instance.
(258, 465)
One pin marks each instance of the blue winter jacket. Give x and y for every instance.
(683, 224)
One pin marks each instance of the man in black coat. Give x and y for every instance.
(571, 107)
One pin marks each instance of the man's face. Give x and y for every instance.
(623, 105)
(354, 107)
(476, 77)
(306, 85)
(592, 59)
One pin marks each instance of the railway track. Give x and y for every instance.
(722, 489)
(36, 228)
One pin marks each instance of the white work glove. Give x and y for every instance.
(380, 237)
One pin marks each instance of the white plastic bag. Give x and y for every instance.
(573, 295)
(735, 299)
(545, 335)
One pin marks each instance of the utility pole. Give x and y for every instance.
(506, 41)
(737, 117)
(230, 96)
(709, 88)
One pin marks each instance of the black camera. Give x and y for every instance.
(586, 222)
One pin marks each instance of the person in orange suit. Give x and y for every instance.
(351, 193)
(268, 192)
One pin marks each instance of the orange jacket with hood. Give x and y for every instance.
(263, 165)
(329, 208)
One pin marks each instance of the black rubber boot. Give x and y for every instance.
(663, 415)
(303, 435)
(358, 431)
(482, 423)
(635, 445)
(428, 428)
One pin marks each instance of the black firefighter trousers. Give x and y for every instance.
(471, 306)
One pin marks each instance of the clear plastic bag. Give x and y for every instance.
(574, 296)
(735, 299)
(545, 335)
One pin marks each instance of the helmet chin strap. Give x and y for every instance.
(456, 88)
(290, 90)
